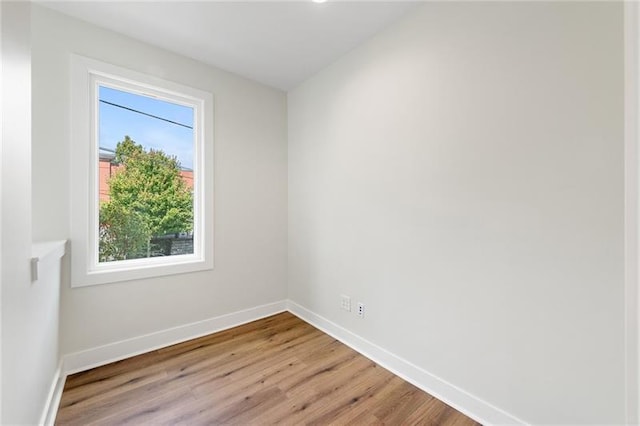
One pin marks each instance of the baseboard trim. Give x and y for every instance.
(95, 357)
(459, 399)
(50, 410)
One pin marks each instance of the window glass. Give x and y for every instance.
(146, 155)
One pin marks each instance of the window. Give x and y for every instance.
(142, 177)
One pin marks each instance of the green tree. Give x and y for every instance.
(147, 198)
(123, 233)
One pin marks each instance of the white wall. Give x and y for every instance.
(462, 175)
(632, 216)
(1, 215)
(250, 189)
(29, 309)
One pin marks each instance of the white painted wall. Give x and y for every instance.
(462, 175)
(1, 180)
(250, 189)
(29, 309)
(632, 231)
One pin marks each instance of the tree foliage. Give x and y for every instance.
(123, 233)
(147, 198)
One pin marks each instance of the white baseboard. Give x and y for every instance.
(101, 355)
(50, 410)
(457, 398)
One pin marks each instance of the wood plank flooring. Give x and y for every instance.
(278, 370)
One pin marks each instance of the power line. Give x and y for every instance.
(147, 114)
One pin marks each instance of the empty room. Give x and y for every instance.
(319, 212)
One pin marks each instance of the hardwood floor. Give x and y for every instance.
(278, 370)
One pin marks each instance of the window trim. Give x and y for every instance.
(86, 76)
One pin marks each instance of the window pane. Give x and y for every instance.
(145, 176)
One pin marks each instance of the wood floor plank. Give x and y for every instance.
(272, 374)
(151, 410)
(99, 389)
(278, 370)
(211, 399)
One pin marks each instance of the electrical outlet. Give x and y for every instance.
(360, 310)
(345, 303)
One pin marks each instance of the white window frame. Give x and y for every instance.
(86, 76)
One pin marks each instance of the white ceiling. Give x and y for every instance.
(277, 43)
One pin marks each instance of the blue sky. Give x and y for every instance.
(149, 132)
